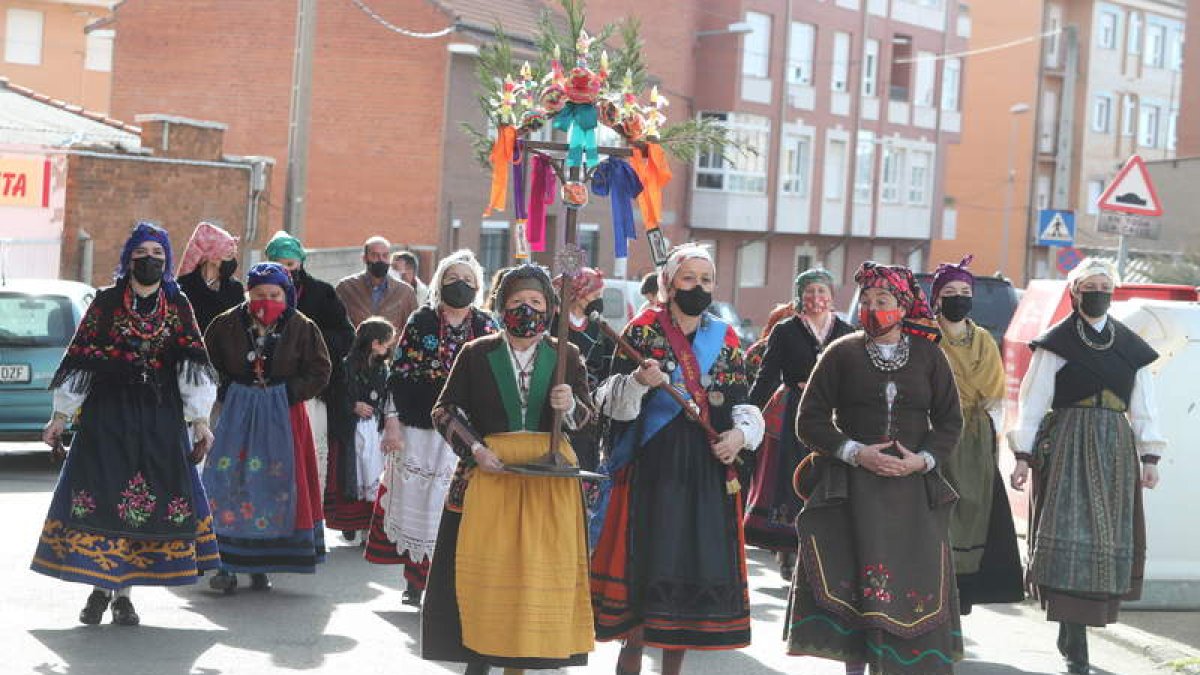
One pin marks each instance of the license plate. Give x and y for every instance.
(15, 373)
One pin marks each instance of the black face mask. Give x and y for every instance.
(956, 307)
(693, 301)
(148, 271)
(1095, 303)
(596, 305)
(298, 275)
(458, 294)
(227, 268)
(378, 270)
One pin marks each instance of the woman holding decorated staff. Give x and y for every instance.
(508, 583)
(982, 536)
(792, 350)
(669, 570)
(262, 475)
(587, 296)
(420, 464)
(875, 578)
(1088, 533)
(129, 508)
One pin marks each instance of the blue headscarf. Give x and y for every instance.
(272, 273)
(143, 232)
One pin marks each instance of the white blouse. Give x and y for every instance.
(1037, 395)
(198, 397)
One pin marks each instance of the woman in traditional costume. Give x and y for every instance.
(875, 578)
(420, 464)
(317, 300)
(756, 352)
(366, 370)
(792, 350)
(206, 273)
(982, 536)
(262, 474)
(508, 585)
(129, 508)
(669, 570)
(1088, 531)
(587, 296)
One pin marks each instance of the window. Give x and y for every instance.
(951, 84)
(493, 245)
(1043, 192)
(916, 259)
(740, 171)
(839, 79)
(800, 53)
(1128, 115)
(1106, 30)
(805, 258)
(882, 254)
(926, 65)
(901, 73)
(1172, 129)
(1102, 113)
(1133, 37)
(870, 75)
(1155, 45)
(99, 51)
(864, 167)
(1053, 40)
(36, 320)
(752, 264)
(1148, 127)
(1049, 121)
(918, 178)
(23, 36)
(835, 169)
(890, 174)
(756, 45)
(589, 241)
(1176, 60)
(1095, 188)
(796, 161)
(835, 262)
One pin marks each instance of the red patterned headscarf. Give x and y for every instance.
(208, 243)
(900, 282)
(588, 280)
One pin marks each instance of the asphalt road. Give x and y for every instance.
(348, 618)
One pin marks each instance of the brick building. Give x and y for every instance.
(90, 178)
(61, 48)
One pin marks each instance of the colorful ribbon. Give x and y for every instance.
(650, 164)
(520, 166)
(502, 154)
(579, 120)
(614, 178)
(541, 194)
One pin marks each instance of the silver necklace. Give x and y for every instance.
(1112, 336)
(889, 365)
(524, 371)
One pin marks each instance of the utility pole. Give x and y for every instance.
(299, 118)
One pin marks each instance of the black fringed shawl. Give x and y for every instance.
(115, 345)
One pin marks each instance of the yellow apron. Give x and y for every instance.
(522, 559)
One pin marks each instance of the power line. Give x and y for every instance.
(984, 50)
(397, 29)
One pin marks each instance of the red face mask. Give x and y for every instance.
(879, 321)
(267, 311)
(814, 305)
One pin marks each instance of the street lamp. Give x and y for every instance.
(1015, 112)
(738, 28)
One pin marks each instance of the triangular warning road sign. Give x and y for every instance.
(1056, 230)
(1132, 191)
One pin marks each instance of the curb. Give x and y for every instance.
(1162, 651)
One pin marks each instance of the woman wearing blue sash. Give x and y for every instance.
(669, 569)
(262, 473)
(129, 509)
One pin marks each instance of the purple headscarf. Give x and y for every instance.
(272, 273)
(946, 273)
(143, 232)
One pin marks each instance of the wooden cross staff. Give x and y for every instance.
(568, 260)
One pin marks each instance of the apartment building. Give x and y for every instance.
(62, 49)
(849, 107)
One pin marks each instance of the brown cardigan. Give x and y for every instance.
(299, 359)
(399, 300)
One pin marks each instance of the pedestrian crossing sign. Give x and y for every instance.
(1056, 228)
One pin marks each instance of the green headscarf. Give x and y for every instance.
(284, 246)
(815, 275)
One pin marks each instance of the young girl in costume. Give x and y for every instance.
(366, 383)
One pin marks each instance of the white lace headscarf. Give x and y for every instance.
(459, 257)
(676, 259)
(1091, 267)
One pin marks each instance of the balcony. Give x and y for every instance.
(730, 211)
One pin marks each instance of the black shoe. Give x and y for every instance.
(123, 612)
(412, 597)
(260, 582)
(477, 668)
(1072, 644)
(223, 581)
(350, 535)
(93, 611)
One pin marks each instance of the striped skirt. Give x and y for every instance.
(1088, 529)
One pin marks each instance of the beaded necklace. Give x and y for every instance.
(1112, 336)
(889, 365)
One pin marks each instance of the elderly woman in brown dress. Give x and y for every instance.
(875, 579)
